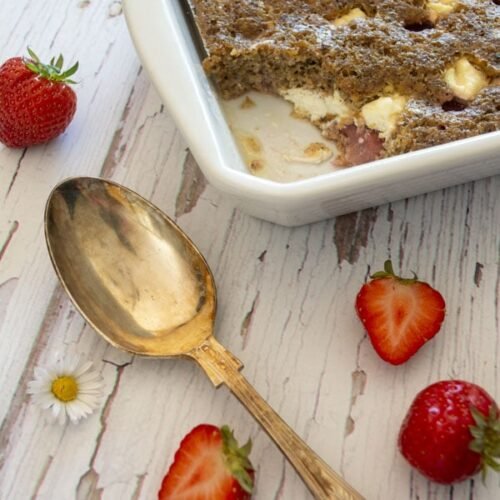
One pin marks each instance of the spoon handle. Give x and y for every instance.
(222, 367)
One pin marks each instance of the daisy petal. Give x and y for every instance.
(82, 368)
(73, 413)
(56, 409)
(89, 377)
(61, 419)
(91, 388)
(43, 400)
(85, 407)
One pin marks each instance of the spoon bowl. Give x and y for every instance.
(141, 283)
(134, 276)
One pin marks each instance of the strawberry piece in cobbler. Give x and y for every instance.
(361, 145)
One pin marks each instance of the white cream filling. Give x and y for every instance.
(317, 105)
(381, 114)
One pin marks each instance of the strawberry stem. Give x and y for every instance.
(52, 71)
(388, 272)
(388, 268)
(236, 458)
(486, 438)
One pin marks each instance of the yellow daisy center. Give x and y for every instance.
(65, 388)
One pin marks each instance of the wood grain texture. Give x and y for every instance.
(285, 300)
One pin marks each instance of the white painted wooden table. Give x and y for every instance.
(285, 300)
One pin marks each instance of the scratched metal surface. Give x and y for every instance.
(285, 300)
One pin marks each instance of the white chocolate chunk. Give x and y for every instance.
(464, 79)
(382, 114)
(350, 16)
(440, 8)
(317, 105)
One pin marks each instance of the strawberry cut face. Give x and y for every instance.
(200, 469)
(399, 315)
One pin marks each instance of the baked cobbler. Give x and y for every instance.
(378, 78)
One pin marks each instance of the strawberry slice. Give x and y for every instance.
(209, 465)
(399, 314)
(362, 145)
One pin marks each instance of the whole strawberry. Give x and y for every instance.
(209, 464)
(36, 102)
(451, 431)
(399, 314)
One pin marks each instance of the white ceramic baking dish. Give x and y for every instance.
(168, 53)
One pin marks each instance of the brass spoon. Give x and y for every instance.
(143, 286)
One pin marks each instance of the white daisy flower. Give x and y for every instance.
(70, 389)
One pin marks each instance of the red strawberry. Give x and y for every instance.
(209, 465)
(36, 103)
(451, 431)
(400, 314)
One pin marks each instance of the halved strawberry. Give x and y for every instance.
(399, 314)
(209, 465)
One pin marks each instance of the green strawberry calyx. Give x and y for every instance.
(486, 438)
(236, 458)
(388, 272)
(52, 71)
